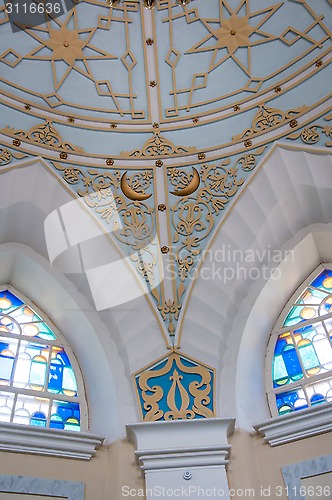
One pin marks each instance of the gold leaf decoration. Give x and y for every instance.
(267, 118)
(5, 157)
(170, 310)
(193, 217)
(43, 134)
(158, 146)
(312, 134)
(132, 224)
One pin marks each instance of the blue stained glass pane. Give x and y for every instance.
(280, 345)
(67, 410)
(292, 363)
(316, 399)
(56, 422)
(289, 397)
(290, 401)
(55, 376)
(3, 346)
(309, 357)
(15, 301)
(64, 358)
(38, 419)
(318, 282)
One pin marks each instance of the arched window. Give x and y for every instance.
(300, 348)
(40, 382)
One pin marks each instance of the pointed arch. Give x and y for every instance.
(299, 355)
(40, 380)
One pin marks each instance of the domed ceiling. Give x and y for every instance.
(166, 111)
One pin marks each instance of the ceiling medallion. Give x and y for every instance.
(148, 4)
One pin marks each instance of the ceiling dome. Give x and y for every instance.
(122, 69)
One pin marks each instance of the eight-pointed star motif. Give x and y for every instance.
(236, 29)
(67, 45)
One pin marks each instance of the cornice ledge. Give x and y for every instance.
(297, 425)
(181, 443)
(51, 442)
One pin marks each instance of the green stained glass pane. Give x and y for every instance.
(308, 355)
(280, 375)
(45, 332)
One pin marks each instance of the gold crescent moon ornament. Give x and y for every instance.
(130, 193)
(192, 186)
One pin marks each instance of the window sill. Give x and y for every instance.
(51, 442)
(297, 425)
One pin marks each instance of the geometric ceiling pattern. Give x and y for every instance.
(169, 112)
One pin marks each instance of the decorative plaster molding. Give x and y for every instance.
(37, 486)
(51, 442)
(297, 425)
(181, 443)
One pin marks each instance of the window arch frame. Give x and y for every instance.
(277, 330)
(60, 341)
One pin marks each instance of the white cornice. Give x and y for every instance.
(297, 425)
(181, 443)
(40, 441)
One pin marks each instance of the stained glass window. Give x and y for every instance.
(301, 349)
(38, 385)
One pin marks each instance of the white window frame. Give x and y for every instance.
(44, 440)
(277, 329)
(60, 341)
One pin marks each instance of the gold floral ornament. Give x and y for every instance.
(312, 134)
(43, 134)
(175, 387)
(158, 146)
(267, 118)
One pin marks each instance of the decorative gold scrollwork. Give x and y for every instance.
(43, 134)
(267, 118)
(170, 310)
(193, 217)
(5, 157)
(311, 135)
(131, 223)
(158, 146)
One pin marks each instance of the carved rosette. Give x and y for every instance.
(175, 388)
